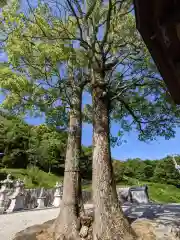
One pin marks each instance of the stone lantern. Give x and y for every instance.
(57, 195)
(5, 189)
(18, 197)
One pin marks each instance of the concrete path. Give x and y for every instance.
(10, 224)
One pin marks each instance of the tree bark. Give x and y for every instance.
(67, 225)
(109, 220)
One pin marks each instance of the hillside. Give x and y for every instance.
(162, 193)
(34, 178)
(158, 192)
(24, 145)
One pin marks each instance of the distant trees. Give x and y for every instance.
(119, 168)
(161, 171)
(14, 142)
(165, 171)
(136, 168)
(3, 3)
(44, 147)
(22, 145)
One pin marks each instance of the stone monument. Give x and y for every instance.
(57, 195)
(139, 195)
(17, 198)
(5, 188)
(40, 199)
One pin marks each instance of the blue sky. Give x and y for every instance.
(133, 147)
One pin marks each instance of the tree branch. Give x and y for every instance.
(132, 114)
(90, 10)
(36, 19)
(124, 88)
(77, 18)
(108, 24)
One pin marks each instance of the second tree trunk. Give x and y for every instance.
(67, 224)
(109, 220)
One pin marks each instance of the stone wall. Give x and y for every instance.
(14, 196)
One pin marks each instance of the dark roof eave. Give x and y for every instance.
(156, 49)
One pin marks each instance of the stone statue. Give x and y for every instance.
(57, 195)
(9, 177)
(7, 182)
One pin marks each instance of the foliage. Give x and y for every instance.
(3, 3)
(136, 170)
(14, 142)
(41, 44)
(119, 168)
(44, 147)
(165, 171)
(40, 146)
(37, 74)
(86, 163)
(23, 145)
(49, 145)
(160, 175)
(120, 60)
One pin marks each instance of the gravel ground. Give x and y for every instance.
(10, 224)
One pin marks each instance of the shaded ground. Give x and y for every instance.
(163, 212)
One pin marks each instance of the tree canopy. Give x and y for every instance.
(39, 44)
(55, 52)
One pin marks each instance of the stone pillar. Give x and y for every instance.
(5, 188)
(57, 195)
(139, 194)
(3, 194)
(17, 198)
(40, 199)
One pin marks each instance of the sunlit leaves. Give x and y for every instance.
(3, 3)
(45, 48)
(36, 46)
(23, 144)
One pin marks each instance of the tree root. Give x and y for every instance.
(112, 225)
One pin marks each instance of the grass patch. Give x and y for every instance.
(164, 193)
(161, 193)
(87, 187)
(33, 177)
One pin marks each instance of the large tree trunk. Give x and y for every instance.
(67, 224)
(109, 221)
